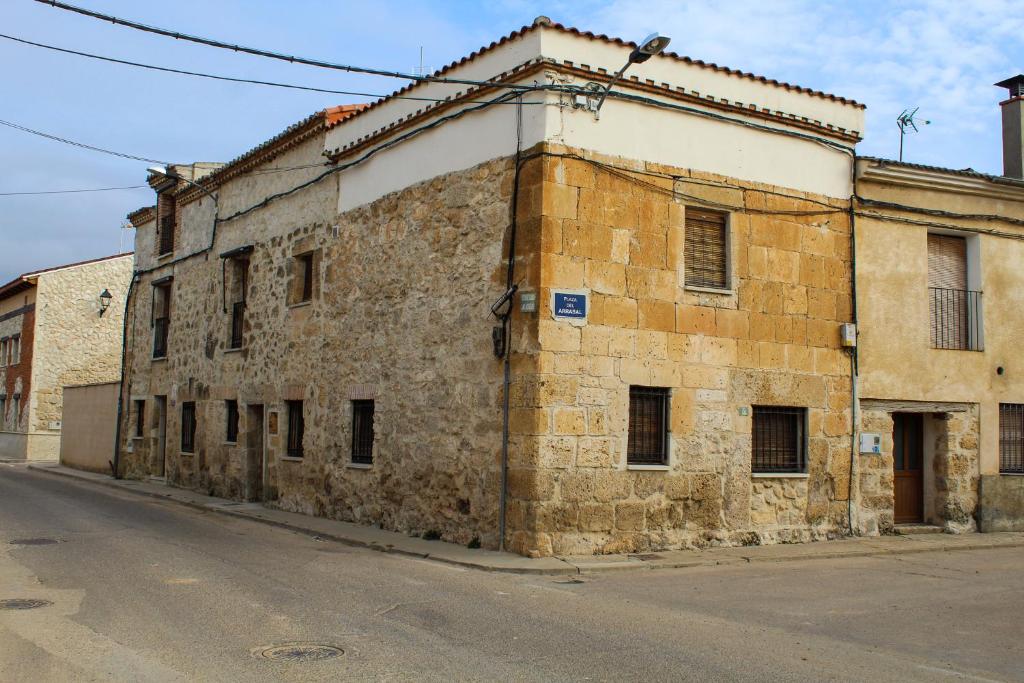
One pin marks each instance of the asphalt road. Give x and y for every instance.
(149, 590)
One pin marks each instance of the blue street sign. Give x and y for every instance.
(572, 306)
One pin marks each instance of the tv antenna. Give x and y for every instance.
(906, 120)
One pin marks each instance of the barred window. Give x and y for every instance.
(188, 427)
(1011, 438)
(140, 418)
(706, 256)
(166, 222)
(231, 410)
(779, 446)
(362, 432)
(648, 426)
(296, 428)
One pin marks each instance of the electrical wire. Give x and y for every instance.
(25, 129)
(95, 189)
(177, 35)
(230, 79)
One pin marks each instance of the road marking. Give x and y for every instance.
(957, 674)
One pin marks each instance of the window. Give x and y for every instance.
(296, 428)
(306, 275)
(1011, 438)
(240, 291)
(779, 444)
(161, 318)
(188, 427)
(706, 256)
(3, 352)
(362, 432)
(231, 408)
(648, 426)
(166, 223)
(3, 412)
(15, 346)
(140, 418)
(955, 310)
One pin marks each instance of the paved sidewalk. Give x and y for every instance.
(488, 560)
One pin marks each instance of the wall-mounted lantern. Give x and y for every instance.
(105, 298)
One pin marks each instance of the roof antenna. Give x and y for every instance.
(904, 121)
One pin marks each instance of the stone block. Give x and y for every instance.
(596, 517)
(618, 311)
(597, 422)
(648, 249)
(559, 201)
(562, 271)
(651, 283)
(570, 421)
(695, 319)
(657, 315)
(651, 344)
(717, 351)
(605, 278)
(527, 484)
(630, 516)
(555, 335)
(611, 486)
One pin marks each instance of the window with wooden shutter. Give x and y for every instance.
(648, 426)
(1011, 438)
(778, 440)
(955, 311)
(706, 257)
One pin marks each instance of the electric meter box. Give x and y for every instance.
(848, 335)
(871, 443)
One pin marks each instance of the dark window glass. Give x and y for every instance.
(362, 432)
(778, 436)
(296, 428)
(706, 257)
(1011, 438)
(648, 426)
(161, 319)
(167, 209)
(188, 427)
(232, 420)
(306, 263)
(140, 418)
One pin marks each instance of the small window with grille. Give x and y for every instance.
(706, 244)
(231, 410)
(188, 427)
(296, 429)
(1011, 438)
(362, 432)
(648, 426)
(779, 444)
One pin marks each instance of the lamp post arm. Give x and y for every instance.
(615, 79)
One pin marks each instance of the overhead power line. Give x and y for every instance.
(80, 144)
(177, 35)
(94, 189)
(231, 79)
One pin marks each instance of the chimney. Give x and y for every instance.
(1013, 127)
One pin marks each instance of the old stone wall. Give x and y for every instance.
(399, 314)
(770, 339)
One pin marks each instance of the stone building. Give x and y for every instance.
(58, 327)
(667, 273)
(940, 257)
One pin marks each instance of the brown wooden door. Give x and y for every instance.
(908, 477)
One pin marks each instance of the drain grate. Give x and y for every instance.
(35, 541)
(299, 652)
(23, 603)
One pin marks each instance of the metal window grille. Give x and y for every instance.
(166, 234)
(955, 319)
(296, 429)
(140, 418)
(362, 432)
(778, 440)
(237, 324)
(188, 427)
(706, 249)
(160, 328)
(648, 426)
(1011, 438)
(306, 263)
(232, 421)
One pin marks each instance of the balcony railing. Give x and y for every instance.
(166, 234)
(237, 324)
(955, 319)
(160, 329)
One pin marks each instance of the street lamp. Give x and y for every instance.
(105, 299)
(652, 45)
(174, 175)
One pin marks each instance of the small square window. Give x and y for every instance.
(231, 410)
(296, 429)
(188, 427)
(779, 443)
(362, 432)
(648, 426)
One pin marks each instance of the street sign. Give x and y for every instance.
(570, 306)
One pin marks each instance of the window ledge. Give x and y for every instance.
(164, 257)
(159, 358)
(359, 466)
(230, 443)
(188, 453)
(1011, 474)
(779, 475)
(138, 438)
(709, 290)
(647, 468)
(289, 458)
(238, 350)
(300, 304)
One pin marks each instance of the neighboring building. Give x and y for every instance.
(56, 329)
(940, 286)
(326, 342)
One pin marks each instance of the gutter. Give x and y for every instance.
(853, 484)
(115, 465)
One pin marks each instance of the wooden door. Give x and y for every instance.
(908, 475)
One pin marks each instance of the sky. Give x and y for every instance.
(942, 56)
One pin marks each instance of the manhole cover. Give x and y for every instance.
(299, 652)
(23, 603)
(35, 541)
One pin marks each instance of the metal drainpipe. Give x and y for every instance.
(854, 366)
(115, 465)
